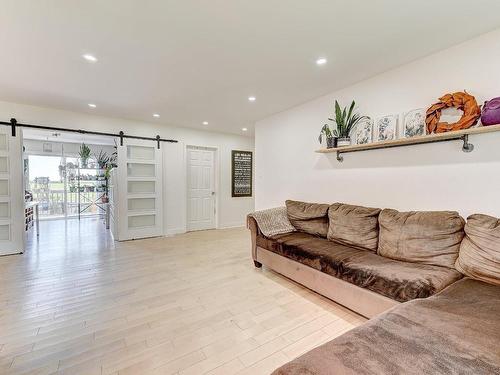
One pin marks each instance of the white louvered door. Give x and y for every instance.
(139, 180)
(12, 216)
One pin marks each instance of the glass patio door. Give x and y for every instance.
(46, 182)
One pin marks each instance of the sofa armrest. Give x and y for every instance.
(254, 232)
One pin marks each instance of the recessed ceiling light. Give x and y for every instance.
(205, 122)
(252, 98)
(244, 129)
(92, 105)
(90, 58)
(321, 61)
(156, 115)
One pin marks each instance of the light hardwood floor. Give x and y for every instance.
(78, 303)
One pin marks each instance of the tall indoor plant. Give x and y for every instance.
(345, 120)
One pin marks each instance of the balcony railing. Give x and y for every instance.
(52, 203)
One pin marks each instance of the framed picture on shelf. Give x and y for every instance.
(413, 123)
(363, 132)
(386, 128)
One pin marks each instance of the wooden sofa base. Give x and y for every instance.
(360, 300)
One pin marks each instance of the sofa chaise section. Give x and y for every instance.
(457, 331)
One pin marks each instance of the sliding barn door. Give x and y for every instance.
(140, 206)
(11, 192)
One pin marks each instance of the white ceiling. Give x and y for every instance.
(194, 61)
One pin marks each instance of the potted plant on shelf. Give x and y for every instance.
(102, 159)
(327, 136)
(345, 121)
(110, 164)
(84, 155)
(107, 174)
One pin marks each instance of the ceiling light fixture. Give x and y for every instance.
(244, 129)
(156, 115)
(92, 105)
(321, 61)
(205, 122)
(90, 58)
(252, 98)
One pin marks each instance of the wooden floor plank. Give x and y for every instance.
(79, 303)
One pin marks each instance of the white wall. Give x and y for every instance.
(231, 211)
(425, 177)
(35, 147)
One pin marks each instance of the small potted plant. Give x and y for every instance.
(326, 136)
(84, 155)
(102, 159)
(345, 120)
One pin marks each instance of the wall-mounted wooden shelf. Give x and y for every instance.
(431, 138)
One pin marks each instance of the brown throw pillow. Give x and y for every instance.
(354, 225)
(306, 217)
(479, 256)
(431, 237)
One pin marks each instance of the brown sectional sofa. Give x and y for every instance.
(335, 251)
(386, 263)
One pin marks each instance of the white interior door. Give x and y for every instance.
(200, 188)
(139, 181)
(11, 192)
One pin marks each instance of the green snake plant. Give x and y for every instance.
(345, 119)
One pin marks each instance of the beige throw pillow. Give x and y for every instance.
(354, 225)
(479, 256)
(428, 237)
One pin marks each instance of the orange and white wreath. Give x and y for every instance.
(460, 100)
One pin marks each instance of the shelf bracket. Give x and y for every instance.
(340, 158)
(467, 147)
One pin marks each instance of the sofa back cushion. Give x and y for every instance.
(310, 218)
(479, 256)
(428, 237)
(355, 226)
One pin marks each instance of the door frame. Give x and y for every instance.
(215, 149)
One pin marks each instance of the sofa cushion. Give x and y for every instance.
(400, 281)
(479, 255)
(305, 248)
(428, 237)
(454, 332)
(310, 218)
(354, 225)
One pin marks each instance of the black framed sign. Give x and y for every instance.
(241, 173)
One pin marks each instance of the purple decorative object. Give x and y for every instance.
(491, 112)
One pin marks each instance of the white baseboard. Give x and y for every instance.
(174, 231)
(232, 225)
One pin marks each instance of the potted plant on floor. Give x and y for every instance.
(84, 155)
(345, 120)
